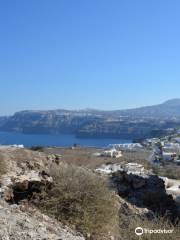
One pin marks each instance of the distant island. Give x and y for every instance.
(138, 123)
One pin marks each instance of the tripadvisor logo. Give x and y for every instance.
(140, 231)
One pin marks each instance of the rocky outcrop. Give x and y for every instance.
(130, 209)
(145, 192)
(26, 172)
(25, 176)
(17, 224)
(173, 188)
(141, 188)
(16, 188)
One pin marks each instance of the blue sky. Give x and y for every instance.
(105, 54)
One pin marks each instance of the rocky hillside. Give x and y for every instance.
(3, 120)
(128, 124)
(168, 109)
(143, 188)
(51, 122)
(18, 219)
(35, 203)
(18, 223)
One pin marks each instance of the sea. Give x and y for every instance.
(62, 140)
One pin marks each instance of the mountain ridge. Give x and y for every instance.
(170, 103)
(89, 123)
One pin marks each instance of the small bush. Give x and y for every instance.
(128, 224)
(2, 167)
(167, 171)
(82, 200)
(37, 148)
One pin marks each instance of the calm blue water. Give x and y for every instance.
(8, 138)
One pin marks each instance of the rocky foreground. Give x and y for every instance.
(19, 223)
(19, 220)
(139, 192)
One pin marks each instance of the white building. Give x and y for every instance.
(169, 156)
(177, 139)
(127, 146)
(112, 153)
(171, 146)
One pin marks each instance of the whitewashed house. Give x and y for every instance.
(112, 153)
(127, 146)
(168, 156)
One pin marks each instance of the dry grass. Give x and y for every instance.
(128, 224)
(137, 157)
(130, 218)
(3, 167)
(37, 148)
(84, 157)
(79, 156)
(82, 200)
(167, 171)
(23, 158)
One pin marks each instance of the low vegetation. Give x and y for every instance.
(137, 157)
(82, 200)
(128, 224)
(37, 148)
(168, 171)
(85, 157)
(2, 166)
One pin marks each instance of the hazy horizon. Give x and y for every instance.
(83, 109)
(99, 54)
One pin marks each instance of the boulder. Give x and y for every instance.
(143, 190)
(141, 187)
(16, 224)
(20, 187)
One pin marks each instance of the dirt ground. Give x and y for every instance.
(85, 157)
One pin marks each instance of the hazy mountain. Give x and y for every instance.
(170, 108)
(130, 123)
(3, 120)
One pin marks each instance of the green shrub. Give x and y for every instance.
(82, 200)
